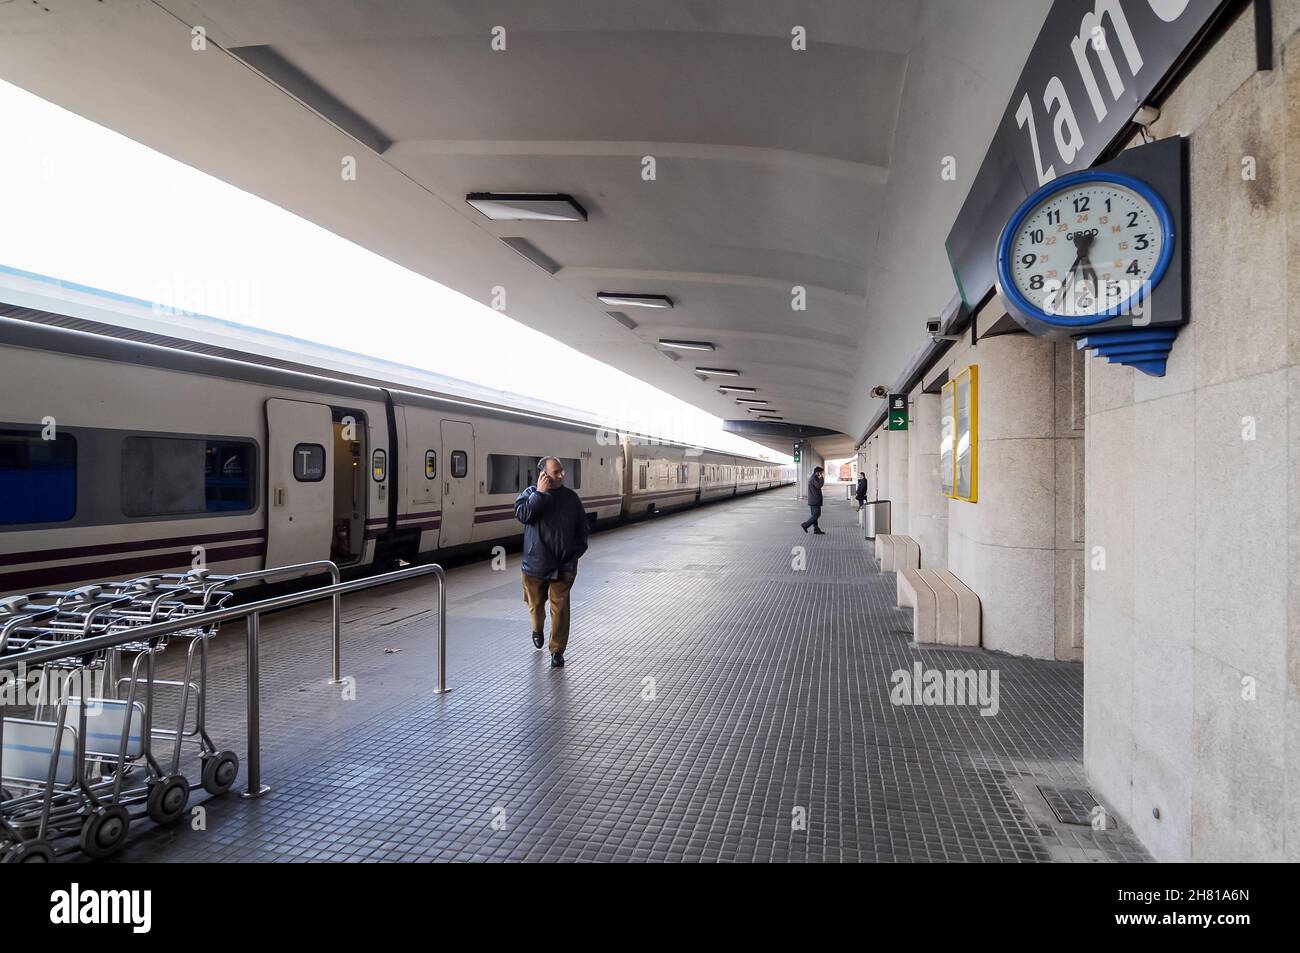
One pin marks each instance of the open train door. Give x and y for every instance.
(300, 482)
(458, 486)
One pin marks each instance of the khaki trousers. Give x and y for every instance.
(536, 594)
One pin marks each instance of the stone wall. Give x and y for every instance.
(1192, 716)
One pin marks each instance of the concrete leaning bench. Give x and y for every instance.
(897, 552)
(945, 611)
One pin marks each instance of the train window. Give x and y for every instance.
(642, 479)
(38, 477)
(508, 473)
(177, 476)
(309, 463)
(430, 464)
(228, 476)
(379, 466)
(459, 463)
(572, 472)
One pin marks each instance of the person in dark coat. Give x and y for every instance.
(555, 537)
(861, 491)
(815, 501)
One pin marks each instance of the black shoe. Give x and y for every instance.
(818, 532)
(804, 528)
(557, 660)
(538, 640)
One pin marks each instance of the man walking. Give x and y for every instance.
(815, 501)
(861, 491)
(555, 537)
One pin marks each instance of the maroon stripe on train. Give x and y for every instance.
(493, 517)
(593, 501)
(32, 579)
(107, 549)
(662, 493)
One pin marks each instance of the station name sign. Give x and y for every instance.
(1095, 62)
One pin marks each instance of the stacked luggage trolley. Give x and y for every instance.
(101, 737)
(98, 740)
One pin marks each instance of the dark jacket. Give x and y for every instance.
(555, 530)
(814, 491)
(861, 493)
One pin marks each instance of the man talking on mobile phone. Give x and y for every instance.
(555, 537)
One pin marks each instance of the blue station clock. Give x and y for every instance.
(1081, 258)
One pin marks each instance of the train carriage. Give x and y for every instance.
(120, 458)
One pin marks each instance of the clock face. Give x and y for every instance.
(1087, 249)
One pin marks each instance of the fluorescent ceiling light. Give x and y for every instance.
(686, 345)
(527, 206)
(750, 400)
(717, 371)
(619, 299)
(762, 410)
(771, 418)
(736, 388)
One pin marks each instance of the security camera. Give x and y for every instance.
(934, 328)
(880, 390)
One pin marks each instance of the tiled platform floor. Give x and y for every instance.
(714, 695)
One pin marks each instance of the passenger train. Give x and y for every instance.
(121, 458)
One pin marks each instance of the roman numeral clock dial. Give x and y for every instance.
(1084, 249)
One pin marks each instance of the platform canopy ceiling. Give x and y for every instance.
(718, 164)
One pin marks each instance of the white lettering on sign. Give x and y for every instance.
(1105, 19)
(1168, 10)
(1080, 46)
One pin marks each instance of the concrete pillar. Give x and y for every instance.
(897, 441)
(927, 521)
(1005, 545)
(809, 460)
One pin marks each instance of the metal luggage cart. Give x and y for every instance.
(84, 759)
(73, 771)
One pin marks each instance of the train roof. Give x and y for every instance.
(48, 314)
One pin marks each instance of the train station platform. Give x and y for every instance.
(718, 705)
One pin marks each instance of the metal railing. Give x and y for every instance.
(306, 569)
(252, 612)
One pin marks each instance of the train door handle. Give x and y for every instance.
(279, 496)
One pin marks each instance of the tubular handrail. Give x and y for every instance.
(300, 569)
(252, 612)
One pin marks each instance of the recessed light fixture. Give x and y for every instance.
(750, 400)
(771, 418)
(527, 206)
(736, 388)
(717, 371)
(619, 299)
(762, 410)
(686, 345)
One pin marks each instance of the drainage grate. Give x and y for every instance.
(1073, 805)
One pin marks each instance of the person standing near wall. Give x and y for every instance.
(861, 491)
(555, 537)
(815, 501)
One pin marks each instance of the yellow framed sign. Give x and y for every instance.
(948, 437)
(959, 450)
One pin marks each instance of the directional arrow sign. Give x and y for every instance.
(897, 412)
